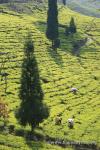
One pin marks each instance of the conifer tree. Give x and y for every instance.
(32, 111)
(64, 2)
(52, 32)
(72, 27)
(67, 31)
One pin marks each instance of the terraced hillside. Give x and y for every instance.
(87, 7)
(59, 72)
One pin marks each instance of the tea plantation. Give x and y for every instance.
(59, 72)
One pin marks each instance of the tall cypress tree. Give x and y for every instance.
(72, 27)
(32, 111)
(52, 21)
(64, 2)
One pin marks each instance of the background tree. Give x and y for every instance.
(67, 31)
(52, 21)
(64, 2)
(32, 111)
(72, 27)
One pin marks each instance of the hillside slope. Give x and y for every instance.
(61, 70)
(87, 7)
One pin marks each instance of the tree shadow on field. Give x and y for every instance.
(34, 145)
(56, 57)
(34, 140)
(53, 53)
(73, 44)
(41, 25)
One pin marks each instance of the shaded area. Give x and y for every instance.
(53, 53)
(77, 46)
(69, 44)
(56, 57)
(76, 145)
(36, 139)
(41, 25)
(74, 42)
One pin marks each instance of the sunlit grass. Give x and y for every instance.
(63, 70)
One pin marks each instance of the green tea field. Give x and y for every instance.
(59, 71)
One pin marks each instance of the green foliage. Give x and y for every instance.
(29, 46)
(67, 31)
(56, 43)
(72, 26)
(52, 21)
(32, 111)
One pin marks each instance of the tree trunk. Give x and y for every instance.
(32, 128)
(52, 44)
